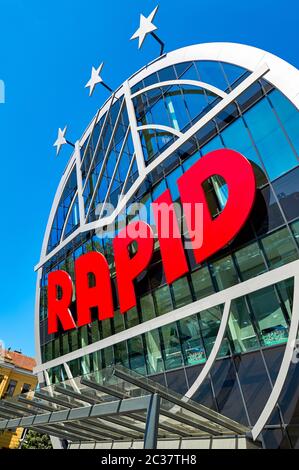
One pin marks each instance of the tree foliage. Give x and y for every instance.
(34, 440)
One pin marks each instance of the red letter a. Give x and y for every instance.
(100, 295)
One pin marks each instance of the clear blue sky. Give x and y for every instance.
(47, 48)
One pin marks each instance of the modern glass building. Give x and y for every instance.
(224, 334)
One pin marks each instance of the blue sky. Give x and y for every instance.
(47, 49)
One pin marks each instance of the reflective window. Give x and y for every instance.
(176, 380)
(288, 115)
(108, 357)
(295, 230)
(106, 328)
(240, 328)
(65, 344)
(269, 316)
(62, 211)
(74, 340)
(209, 321)
(236, 137)
(266, 214)
(95, 331)
(132, 318)
(136, 355)
(224, 273)
(227, 391)
(287, 191)
(270, 139)
(279, 248)
(181, 292)
(84, 336)
(211, 72)
(118, 322)
(172, 183)
(254, 382)
(97, 360)
(202, 283)
(147, 307)
(163, 300)
(171, 346)
(250, 261)
(153, 352)
(121, 354)
(192, 345)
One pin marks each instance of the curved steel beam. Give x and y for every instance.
(206, 86)
(284, 368)
(213, 355)
(160, 127)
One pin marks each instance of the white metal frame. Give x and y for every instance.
(284, 77)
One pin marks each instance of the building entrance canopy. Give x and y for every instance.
(113, 405)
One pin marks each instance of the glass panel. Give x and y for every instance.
(286, 189)
(84, 336)
(202, 283)
(227, 391)
(95, 331)
(106, 328)
(192, 345)
(288, 114)
(269, 315)
(163, 300)
(172, 183)
(85, 364)
(74, 340)
(56, 348)
(191, 160)
(136, 355)
(209, 321)
(240, 328)
(224, 273)
(176, 381)
(154, 352)
(210, 72)
(214, 144)
(132, 318)
(236, 137)
(147, 307)
(73, 219)
(121, 354)
(232, 72)
(250, 261)
(97, 360)
(254, 382)
(204, 394)
(266, 214)
(295, 230)
(74, 367)
(286, 292)
(277, 155)
(118, 321)
(108, 356)
(181, 292)
(65, 344)
(280, 248)
(171, 347)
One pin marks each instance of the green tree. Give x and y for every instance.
(34, 440)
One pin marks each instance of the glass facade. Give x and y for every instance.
(262, 125)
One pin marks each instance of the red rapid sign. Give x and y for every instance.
(217, 232)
